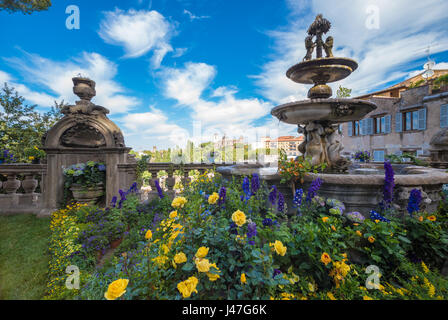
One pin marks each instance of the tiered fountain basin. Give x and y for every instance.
(332, 110)
(362, 188)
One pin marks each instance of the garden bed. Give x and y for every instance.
(233, 240)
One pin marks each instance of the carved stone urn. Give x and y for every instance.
(87, 195)
(84, 88)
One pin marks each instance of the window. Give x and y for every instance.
(444, 116)
(378, 155)
(411, 120)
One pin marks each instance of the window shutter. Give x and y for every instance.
(444, 116)
(387, 123)
(361, 127)
(350, 128)
(370, 126)
(398, 122)
(422, 119)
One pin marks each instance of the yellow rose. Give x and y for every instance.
(31, 158)
(212, 276)
(148, 234)
(331, 296)
(116, 289)
(366, 298)
(213, 198)
(179, 202)
(180, 258)
(203, 265)
(202, 252)
(279, 248)
(243, 278)
(173, 214)
(325, 258)
(239, 218)
(187, 287)
(324, 219)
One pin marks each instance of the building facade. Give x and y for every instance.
(406, 120)
(289, 144)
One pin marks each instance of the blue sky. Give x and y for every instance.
(172, 70)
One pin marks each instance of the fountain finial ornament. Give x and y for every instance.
(84, 88)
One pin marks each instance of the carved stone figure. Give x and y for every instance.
(314, 146)
(309, 45)
(328, 47)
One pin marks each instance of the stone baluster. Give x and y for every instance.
(170, 181)
(12, 184)
(29, 184)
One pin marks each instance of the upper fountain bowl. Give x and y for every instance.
(329, 110)
(322, 70)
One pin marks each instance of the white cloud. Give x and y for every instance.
(138, 32)
(57, 77)
(187, 84)
(194, 17)
(214, 110)
(152, 127)
(384, 55)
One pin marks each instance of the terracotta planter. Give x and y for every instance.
(87, 195)
(114, 244)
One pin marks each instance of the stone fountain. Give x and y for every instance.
(358, 186)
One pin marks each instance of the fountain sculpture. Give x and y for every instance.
(318, 117)
(358, 186)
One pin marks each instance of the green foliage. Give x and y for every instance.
(393, 158)
(24, 6)
(21, 125)
(295, 170)
(343, 92)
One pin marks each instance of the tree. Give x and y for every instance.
(24, 6)
(21, 125)
(343, 92)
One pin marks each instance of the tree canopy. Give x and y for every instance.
(24, 6)
(21, 126)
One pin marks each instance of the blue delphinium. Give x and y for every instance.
(113, 203)
(273, 195)
(159, 190)
(133, 188)
(281, 202)
(222, 196)
(255, 183)
(312, 191)
(233, 228)
(388, 184)
(298, 197)
(414, 201)
(246, 188)
(251, 232)
(376, 216)
(267, 222)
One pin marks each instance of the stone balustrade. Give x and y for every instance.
(168, 181)
(20, 191)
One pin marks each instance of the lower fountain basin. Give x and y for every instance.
(332, 110)
(359, 191)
